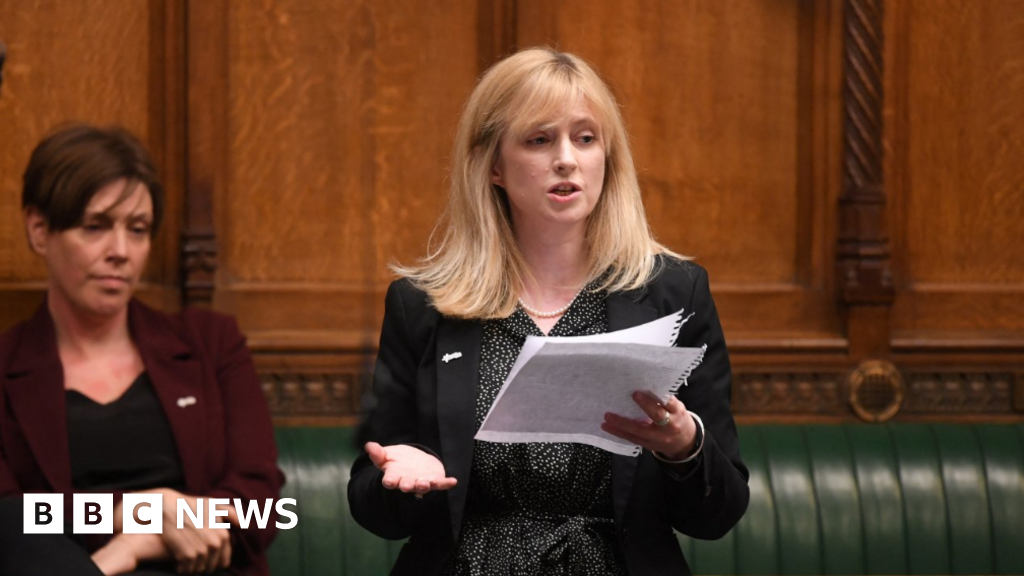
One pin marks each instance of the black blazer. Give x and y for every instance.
(423, 401)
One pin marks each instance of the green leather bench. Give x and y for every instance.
(850, 499)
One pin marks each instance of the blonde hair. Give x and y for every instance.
(474, 268)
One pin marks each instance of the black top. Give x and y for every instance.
(423, 400)
(536, 508)
(122, 446)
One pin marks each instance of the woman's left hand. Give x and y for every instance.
(668, 430)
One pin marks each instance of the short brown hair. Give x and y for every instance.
(73, 163)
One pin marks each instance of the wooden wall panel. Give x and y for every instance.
(730, 107)
(306, 145)
(95, 61)
(340, 122)
(959, 147)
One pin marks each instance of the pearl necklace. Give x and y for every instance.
(553, 313)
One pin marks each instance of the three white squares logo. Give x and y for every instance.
(93, 514)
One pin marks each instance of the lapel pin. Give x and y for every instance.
(449, 357)
(186, 401)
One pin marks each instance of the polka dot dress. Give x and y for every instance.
(536, 508)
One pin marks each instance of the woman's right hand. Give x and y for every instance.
(124, 552)
(409, 469)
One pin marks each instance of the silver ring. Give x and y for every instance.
(664, 421)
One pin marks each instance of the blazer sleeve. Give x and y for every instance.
(8, 484)
(708, 501)
(392, 514)
(250, 470)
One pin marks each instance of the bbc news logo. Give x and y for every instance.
(94, 513)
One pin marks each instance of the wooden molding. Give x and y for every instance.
(305, 394)
(959, 392)
(787, 393)
(1018, 392)
(865, 276)
(199, 264)
(330, 390)
(207, 148)
(167, 133)
(918, 393)
(497, 32)
(3, 58)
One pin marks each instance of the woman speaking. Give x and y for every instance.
(544, 234)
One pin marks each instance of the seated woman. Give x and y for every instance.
(545, 233)
(99, 393)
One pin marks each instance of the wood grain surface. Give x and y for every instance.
(94, 61)
(340, 122)
(305, 144)
(733, 144)
(959, 149)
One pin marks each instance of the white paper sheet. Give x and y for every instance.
(559, 389)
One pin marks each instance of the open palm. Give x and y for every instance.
(409, 469)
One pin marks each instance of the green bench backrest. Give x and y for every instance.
(825, 499)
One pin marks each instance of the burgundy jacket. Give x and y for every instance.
(225, 439)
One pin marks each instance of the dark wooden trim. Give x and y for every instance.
(1007, 345)
(781, 393)
(796, 419)
(320, 394)
(199, 263)
(167, 107)
(863, 237)
(316, 421)
(863, 263)
(206, 137)
(19, 301)
(927, 392)
(950, 392)
(497, 30)
(3, 58)
(322, 388)
(863, 99)
(1018, 391)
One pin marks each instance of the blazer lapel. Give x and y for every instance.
(625, 310)
(456, 406)
(177, 376)
(35, 389)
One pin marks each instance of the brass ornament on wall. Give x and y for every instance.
(876, 391)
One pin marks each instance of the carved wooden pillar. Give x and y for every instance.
(865, 277)
(3, 57)
(207, 146)
(199, 260)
